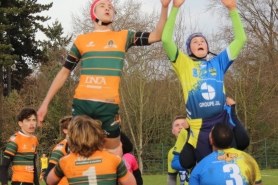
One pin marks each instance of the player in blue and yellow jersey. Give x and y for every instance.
(225, 165)
(202, 80)
(60, 150)
(186, 154)
(88, 162)
(179, 125)
(21, 152)
(101, 54)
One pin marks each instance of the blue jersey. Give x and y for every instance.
(230, 166)
(203, 84)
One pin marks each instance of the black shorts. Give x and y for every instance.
(21, 183)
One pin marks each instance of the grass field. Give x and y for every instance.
(269, 177)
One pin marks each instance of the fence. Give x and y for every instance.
(155, 156)
(265, 154)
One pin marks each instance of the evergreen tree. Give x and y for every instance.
(19, 22)
(54, 48)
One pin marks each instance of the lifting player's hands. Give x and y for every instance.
(165, 3)
(41, 114)
(178, 3)
(230, 4)
(230, 101)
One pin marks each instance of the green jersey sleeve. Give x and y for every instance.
(168, 44)
(240, 37)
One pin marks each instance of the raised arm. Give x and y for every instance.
(168, 44)
(155, 36)
(56, 85)
(240, 37)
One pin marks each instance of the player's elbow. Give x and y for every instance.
(155, 36)
(243, 40)
(164, 38)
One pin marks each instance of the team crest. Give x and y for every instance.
(111, 44)
(212, 71)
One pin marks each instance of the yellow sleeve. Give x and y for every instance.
(258, 173)
(180, 141)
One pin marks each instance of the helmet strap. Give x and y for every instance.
(199, 58)
(212, 53)
(195, 57)
(102, 23)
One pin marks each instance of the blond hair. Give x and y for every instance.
(176, 118)
(85, 136)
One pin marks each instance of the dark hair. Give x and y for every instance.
(26, 113)
(64, 122)
(222, 135)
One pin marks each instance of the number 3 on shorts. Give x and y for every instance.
(235, 175)
(91, 174)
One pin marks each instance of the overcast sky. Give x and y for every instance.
(62, 10)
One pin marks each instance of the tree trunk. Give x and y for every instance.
(1, 93)
(9, 80)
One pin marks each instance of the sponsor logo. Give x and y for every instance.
(110, 100)
(90, 44)
(95, 82)
(208, 92)
(29, 169)
(227, 157)
(106, 133)
(84, 162)
(209, 104)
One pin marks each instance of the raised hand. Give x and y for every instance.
(178, 3)
(230, 101)
(41, 114)
(165, 3)
(230, 4)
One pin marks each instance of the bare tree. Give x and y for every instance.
(252, 80)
